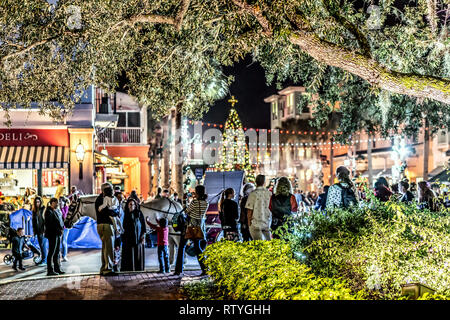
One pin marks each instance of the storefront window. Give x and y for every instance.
(49, 178)
(15, 182)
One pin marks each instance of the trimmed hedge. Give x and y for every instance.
(377, 248)
(266, 270)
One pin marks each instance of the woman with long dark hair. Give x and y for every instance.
(426, 197)
(195, 228)
(134, 228)
(382, 191)
(243, 218)
(39, 228)
(229, 215)
(343, 193)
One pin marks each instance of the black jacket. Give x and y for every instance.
(321, 202)
(38, 221)
(407, 197)
(230, 214)
(103, 217)
(54, 224)
(134, 227)
(17, 245)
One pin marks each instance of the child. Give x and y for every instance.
(111, 202)
(18, 242)
(163, 242)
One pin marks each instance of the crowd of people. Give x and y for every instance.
(255, 214)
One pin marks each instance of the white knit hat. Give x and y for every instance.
(106, 185)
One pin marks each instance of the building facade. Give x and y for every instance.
(126, 142)
(309, 157)
(300, 157)
(35, 151)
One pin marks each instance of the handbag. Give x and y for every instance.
(194, 232)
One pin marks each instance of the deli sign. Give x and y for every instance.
(34, 137)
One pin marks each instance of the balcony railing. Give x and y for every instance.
(120, 135)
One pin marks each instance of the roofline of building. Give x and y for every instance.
(271, 98)
(291, 89)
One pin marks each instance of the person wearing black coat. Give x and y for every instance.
(39, 227)
(321, 202)
(243, 217)
(54, 227)
(407, 195)
(229, 215)
(134, 229)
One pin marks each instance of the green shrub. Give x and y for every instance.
(383, 246)
(260, 270)
(204, 289)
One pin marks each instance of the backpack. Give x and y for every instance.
(348, 196)
(178, 221)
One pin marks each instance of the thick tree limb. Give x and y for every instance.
(360, 37)
(30, 47)
(359, 64)
(181, 13)
(257, 14)
(432, 15)
(153, 18)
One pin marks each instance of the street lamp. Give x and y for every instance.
(79, 153)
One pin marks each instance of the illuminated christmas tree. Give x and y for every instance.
(234, 154)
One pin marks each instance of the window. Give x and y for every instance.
(134, 119)
(291, 100)
(274, 110)
(442, 137)
(122, 119)
(308, 153)
(301, 154)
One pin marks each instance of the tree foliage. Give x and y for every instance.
(171, 52)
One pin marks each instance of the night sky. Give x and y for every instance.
(250, 89)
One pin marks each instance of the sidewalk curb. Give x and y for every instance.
(71, 275)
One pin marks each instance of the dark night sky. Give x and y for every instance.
(250, 89)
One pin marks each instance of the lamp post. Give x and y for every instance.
(80, 152)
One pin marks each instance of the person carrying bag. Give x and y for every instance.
(195, 228)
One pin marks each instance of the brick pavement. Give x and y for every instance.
(131, 286)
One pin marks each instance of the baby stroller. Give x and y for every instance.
(34, 253)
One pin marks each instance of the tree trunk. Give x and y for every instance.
(166, 155)
(178, 167)
(369, 160)
(331, 163)
(426, 149)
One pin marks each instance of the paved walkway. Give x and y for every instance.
(81, 261)
(127, 286)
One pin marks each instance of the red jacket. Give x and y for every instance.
(162, 234)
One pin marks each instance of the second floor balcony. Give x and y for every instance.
(121, 136)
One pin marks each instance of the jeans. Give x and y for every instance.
(17, 259)
(54, 243)
(43, 246)
(163, 259)
(260, 234)
(64, 242)
(181, 250)
(174, 243)
(246, 236)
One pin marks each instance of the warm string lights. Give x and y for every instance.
(296, 132)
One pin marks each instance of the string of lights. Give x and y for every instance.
(291, 132)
